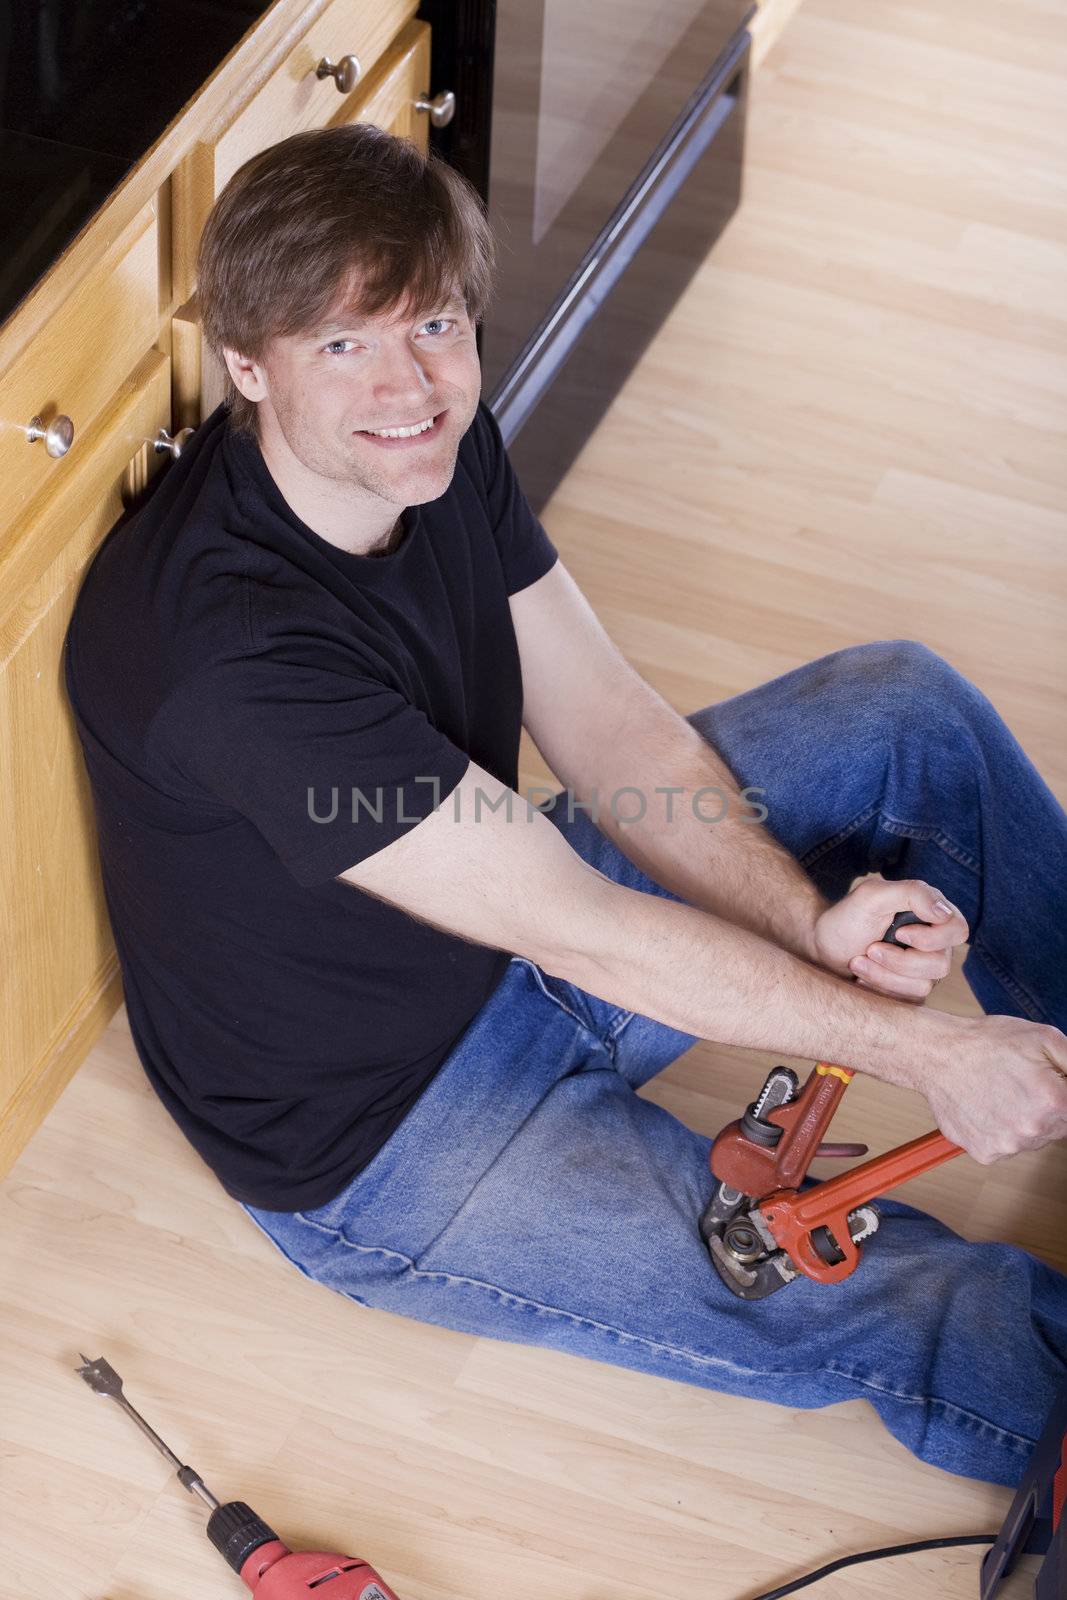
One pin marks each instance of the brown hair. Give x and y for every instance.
(300, 219)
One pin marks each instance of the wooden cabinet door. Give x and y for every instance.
(59, 979)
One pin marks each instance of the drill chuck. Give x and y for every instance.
(236, 1531)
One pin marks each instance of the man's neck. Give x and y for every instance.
(391, 542)
(331, 515)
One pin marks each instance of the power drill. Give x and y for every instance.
(270, 1569)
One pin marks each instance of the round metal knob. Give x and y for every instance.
(58, 436)
(175, 444)
(346, 73)
(441, 108)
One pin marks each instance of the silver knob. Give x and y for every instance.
(164, 441)
(441, 108)
(58, 436)
(346, 73)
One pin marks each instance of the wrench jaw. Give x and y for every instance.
(743, 1253)
(745, 1256)
(751, 1280)
(750, 1260)
(829, 1251)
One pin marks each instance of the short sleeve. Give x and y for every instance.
(329, 766)
(526, 550)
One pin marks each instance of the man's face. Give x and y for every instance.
(322, 391)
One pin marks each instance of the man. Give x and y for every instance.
(401, 1012)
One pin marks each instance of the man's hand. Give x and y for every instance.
(999, 1086)
(848, 937)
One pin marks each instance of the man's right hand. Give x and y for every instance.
(999, 1086)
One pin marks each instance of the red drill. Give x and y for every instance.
(270, 1569)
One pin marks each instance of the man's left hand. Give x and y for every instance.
(848, 937)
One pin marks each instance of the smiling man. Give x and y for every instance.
(402, 1013)
(343, 474)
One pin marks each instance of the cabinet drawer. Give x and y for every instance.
(291, 99)
(78, 361)
(401, 77)
(115, 458)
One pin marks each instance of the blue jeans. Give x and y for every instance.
(531, 1195)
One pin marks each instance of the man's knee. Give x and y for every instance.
(916, 684)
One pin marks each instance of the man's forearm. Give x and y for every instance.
(693, 971)
(690, 832)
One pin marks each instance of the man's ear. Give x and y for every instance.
(249, 377)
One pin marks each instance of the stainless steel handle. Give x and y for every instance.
(441, 108)
(175, 444)
(58, 436)
(346, 73)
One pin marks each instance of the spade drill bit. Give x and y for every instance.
(102, 1378)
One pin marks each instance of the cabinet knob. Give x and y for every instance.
(175, 444)
(346, 73)
(441, 108)
(58, 436)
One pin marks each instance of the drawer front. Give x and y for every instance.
(78, 361)
(401, 78)
(114, 459)
(291, 99)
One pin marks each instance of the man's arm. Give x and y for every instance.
(502, 875)
(603, 730)
(670, 802)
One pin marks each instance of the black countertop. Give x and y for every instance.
(85, 91)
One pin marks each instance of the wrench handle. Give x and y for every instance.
(901, 920)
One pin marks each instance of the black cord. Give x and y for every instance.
(874, 1555)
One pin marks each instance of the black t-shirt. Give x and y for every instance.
(229, 669)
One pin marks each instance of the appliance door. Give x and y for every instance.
(584, 92)
(562, 381)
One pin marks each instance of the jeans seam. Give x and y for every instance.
(894, 825)
(276, 1242)
(535, 969)
(840, 836)
(944, 841)
(947, 1407)
(1033, 1009)
(621, 1020)
(615, 1026)
(553, 1311)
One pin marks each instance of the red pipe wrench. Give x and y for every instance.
(762, 1230)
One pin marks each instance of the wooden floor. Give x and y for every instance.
(851, 428)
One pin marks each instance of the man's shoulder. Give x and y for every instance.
(165, 588)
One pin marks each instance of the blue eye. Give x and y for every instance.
(444, 323)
